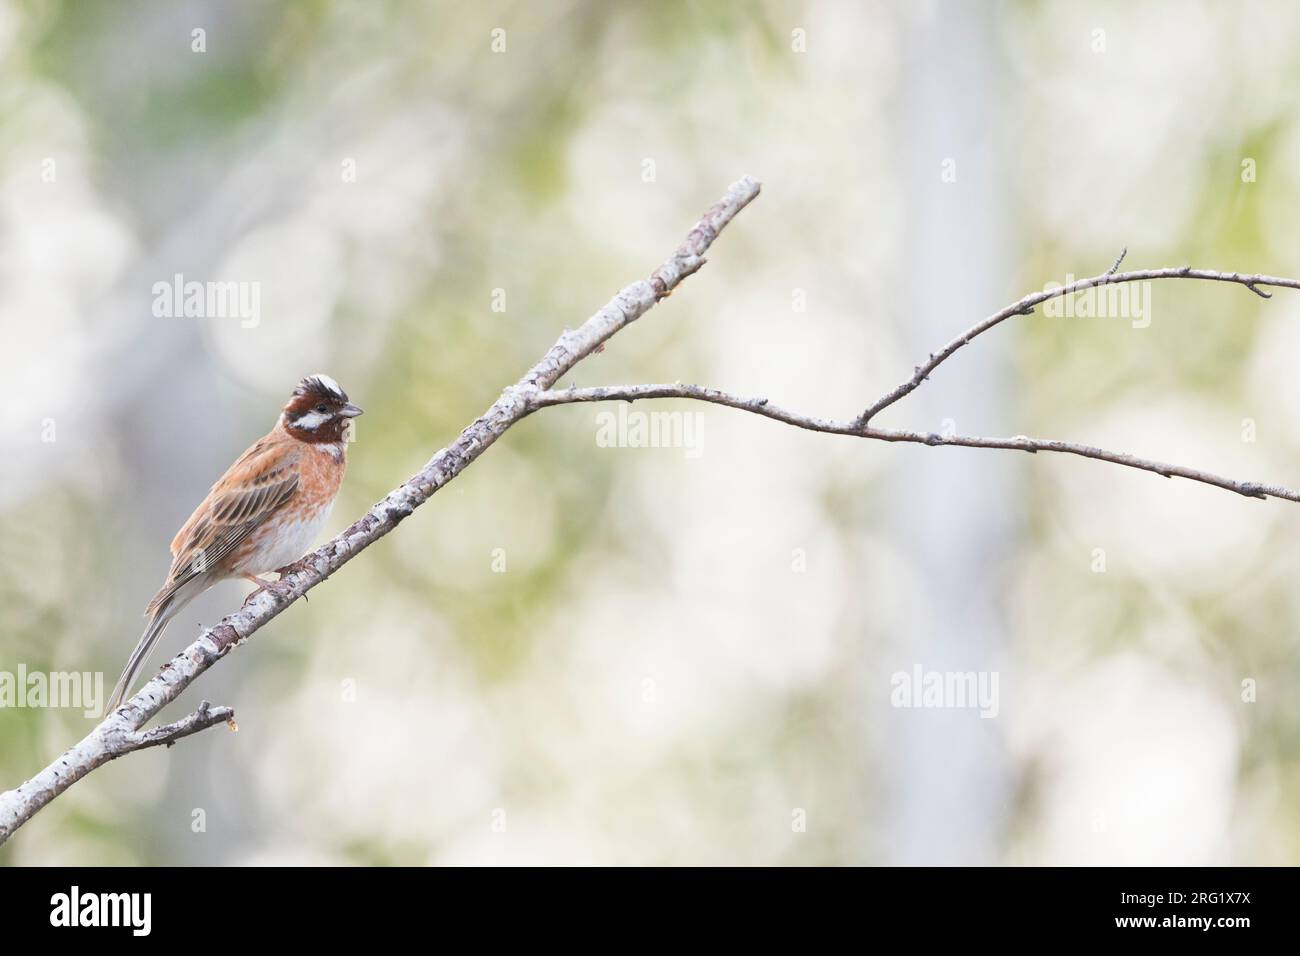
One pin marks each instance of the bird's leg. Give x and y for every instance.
(288, 569)
(262, 584)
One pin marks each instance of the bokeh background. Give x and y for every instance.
(617, 655)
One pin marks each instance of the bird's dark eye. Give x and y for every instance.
(322, 408)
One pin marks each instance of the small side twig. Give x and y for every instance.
(1118, 259)
(1026, 305)
(203, 718)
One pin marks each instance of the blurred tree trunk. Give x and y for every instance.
(955, 516)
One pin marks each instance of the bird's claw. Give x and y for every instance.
(288, 569)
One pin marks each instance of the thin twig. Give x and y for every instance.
(761, 406)
(203, 718)
(1116, 264)
(1026, 305)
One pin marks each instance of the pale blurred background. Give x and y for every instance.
(585, 654)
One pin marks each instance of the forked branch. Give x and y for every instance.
(855, 429)
(120, 733)
(1027, 304)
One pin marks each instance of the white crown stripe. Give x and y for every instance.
(321, 382)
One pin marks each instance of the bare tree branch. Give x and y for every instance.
(203, 718)
(110, 740)
(1026, 305)
(119, 734)
(761, 406)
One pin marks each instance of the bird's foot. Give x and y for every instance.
(299, 565)
(288, 569)
(262, 585)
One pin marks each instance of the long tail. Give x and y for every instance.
(163, 613)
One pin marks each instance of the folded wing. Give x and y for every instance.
(258, 485)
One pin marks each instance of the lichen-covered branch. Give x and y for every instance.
(203, 718)
(119, 733)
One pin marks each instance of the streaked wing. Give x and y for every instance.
(256, 486)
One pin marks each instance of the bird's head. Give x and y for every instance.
(318, 410)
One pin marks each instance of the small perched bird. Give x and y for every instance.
(262, 514)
